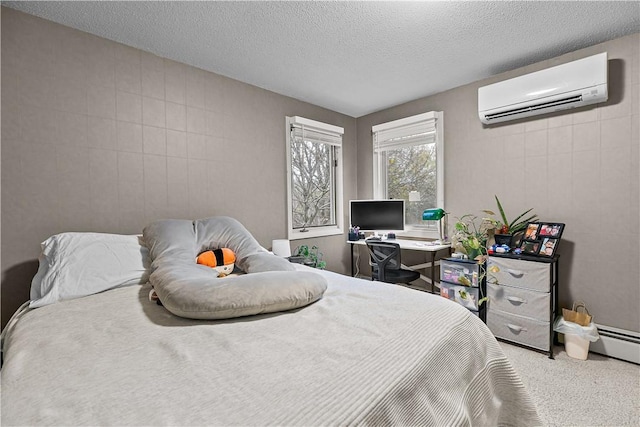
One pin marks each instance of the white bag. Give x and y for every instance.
(587, 332)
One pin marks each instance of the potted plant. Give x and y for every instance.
(471, 234)
(505, 231)
(311, 257)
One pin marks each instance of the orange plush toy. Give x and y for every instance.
(222, 260)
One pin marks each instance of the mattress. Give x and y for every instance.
(367, 353)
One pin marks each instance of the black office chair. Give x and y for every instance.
(386, 265)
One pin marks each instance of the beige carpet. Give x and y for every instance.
(599, 391)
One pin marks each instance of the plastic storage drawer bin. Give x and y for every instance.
(459, 272)
(464, 295)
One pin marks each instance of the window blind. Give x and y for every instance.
(415, 130)
(307, 133)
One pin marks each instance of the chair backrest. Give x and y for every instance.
(384, 256)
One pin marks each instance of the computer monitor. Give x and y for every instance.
(377, 215)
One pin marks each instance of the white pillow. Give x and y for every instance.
(73, 265)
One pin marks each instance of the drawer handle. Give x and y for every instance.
(515, 272)
(516, 328)
(517, 300)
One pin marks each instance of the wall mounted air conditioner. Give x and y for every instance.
(565, 86)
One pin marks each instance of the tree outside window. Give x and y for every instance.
(314, 178)
(412, 169)
(312, 184)
(408, 164)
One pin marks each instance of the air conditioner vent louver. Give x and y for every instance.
(574, 84)
(545, 105)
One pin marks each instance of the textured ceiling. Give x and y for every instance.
(351, 57)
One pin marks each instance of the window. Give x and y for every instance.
(314, 178)
(408, 159)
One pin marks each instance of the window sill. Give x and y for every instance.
(314, 232)
(419, 234)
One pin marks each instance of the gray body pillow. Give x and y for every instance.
(194, 291)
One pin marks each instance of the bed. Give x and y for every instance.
(366, 353)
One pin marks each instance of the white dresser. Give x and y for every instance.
(523, 300)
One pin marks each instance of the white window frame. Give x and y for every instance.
(389, 135)
(338, 228)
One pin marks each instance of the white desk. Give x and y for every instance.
(412, 245)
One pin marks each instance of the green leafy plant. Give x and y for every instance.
(312, 257)
(471, 234)
(516, 225)
(465, 295)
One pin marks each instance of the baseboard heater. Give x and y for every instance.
(618, 343)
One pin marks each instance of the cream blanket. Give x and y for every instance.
(368, 353)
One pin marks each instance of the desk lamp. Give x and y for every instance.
(281, 247)
(437, 214)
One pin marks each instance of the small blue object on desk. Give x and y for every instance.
(499, 249)
(391, 236)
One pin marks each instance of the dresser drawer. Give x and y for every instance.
(459, 272)
(463, 295)
(522, 302)
(522, 274)
(523, 330)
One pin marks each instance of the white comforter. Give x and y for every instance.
(367, 353)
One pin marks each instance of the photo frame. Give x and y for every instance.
(531, 232)
(541, 238)
(530, 247)
(550, 229)
(548, 246)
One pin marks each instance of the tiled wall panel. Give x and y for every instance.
(98, 136)
(579, 167)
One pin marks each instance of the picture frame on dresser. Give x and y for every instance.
(541, 238)
(548, 229)
(548, 247)
(531, 232)
(530, 247)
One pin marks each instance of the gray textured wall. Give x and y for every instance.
(98, 136)
(579, 167)
(101, 137)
